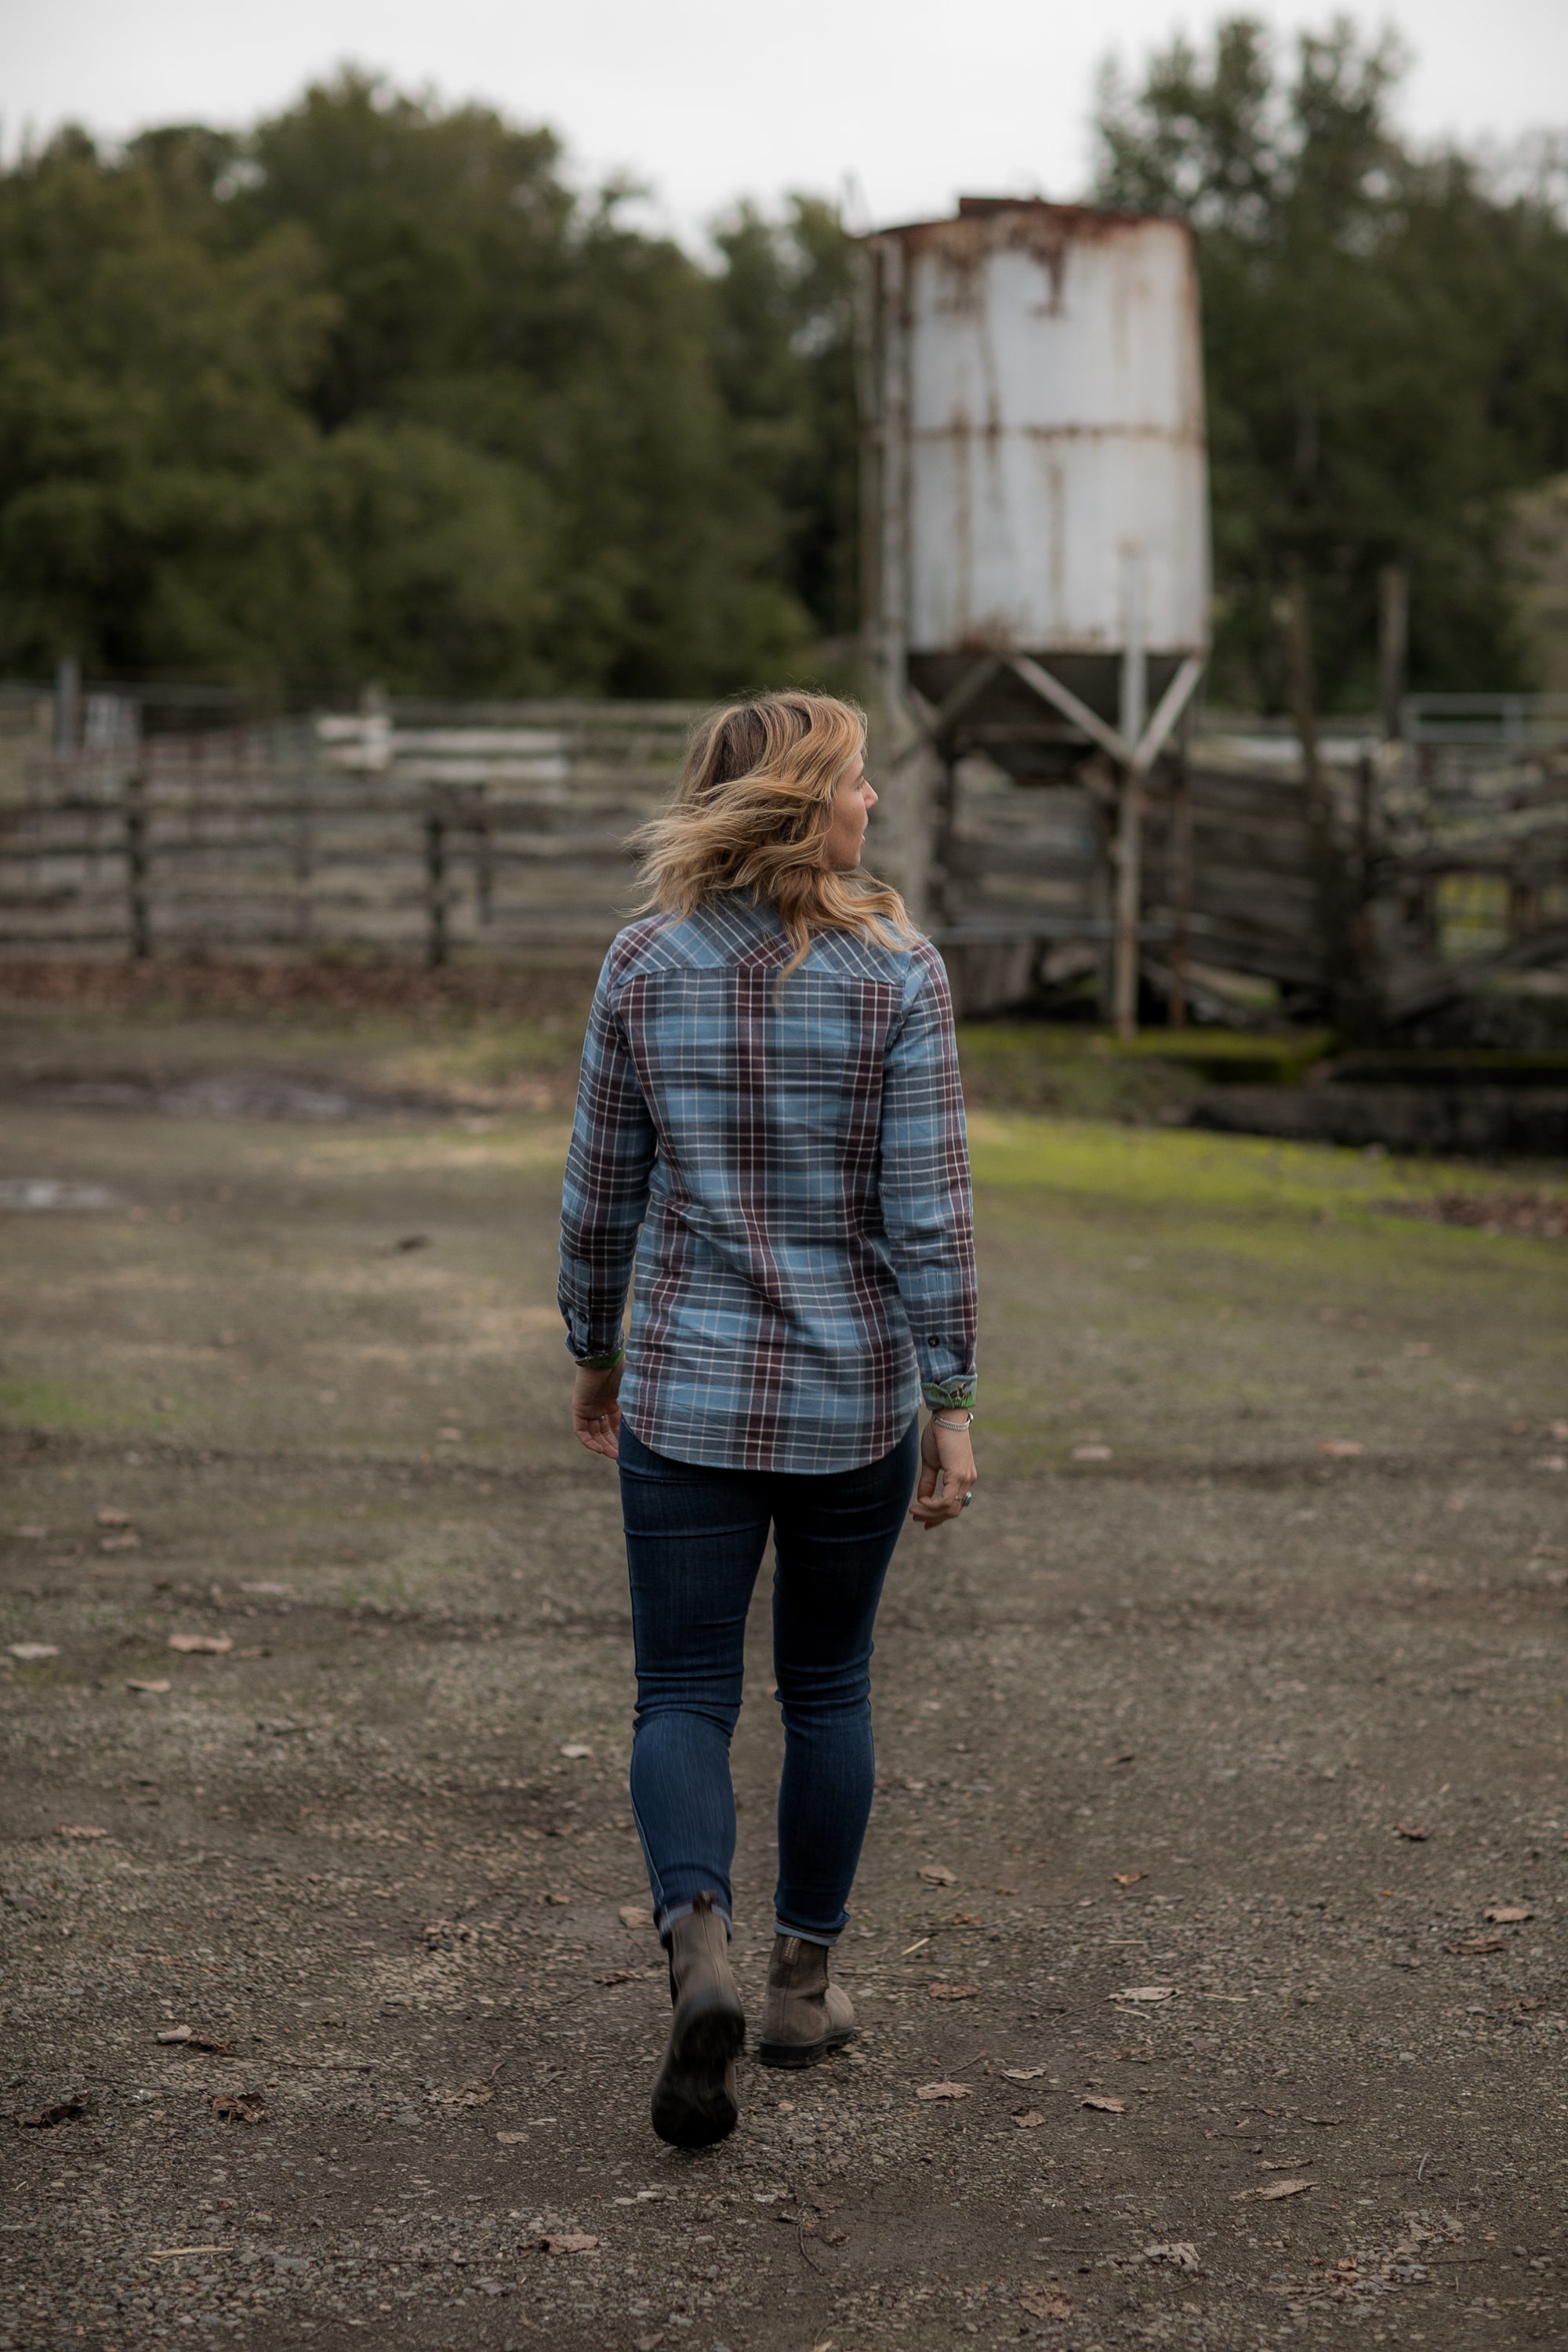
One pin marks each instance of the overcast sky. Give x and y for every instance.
(909, 100)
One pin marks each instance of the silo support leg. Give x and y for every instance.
(1129, 893)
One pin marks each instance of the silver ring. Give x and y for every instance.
(966, 1502)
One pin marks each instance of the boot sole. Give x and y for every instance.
(802, 2053)
(692, 2105)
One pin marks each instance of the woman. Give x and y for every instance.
(770, 1139)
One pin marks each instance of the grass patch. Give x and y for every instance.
(1098, 1164)
(68, 1405)
(1153, 1078)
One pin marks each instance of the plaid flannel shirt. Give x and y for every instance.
(784, 1186)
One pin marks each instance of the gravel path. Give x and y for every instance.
(1208, 1947)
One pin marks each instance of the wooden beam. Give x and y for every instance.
(1168, 711)
(1062, 698)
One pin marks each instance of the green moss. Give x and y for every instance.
(1186, 1171)
(71, 1404)
(1157, 1077)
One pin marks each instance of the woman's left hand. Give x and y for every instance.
(595, 1412)
(947, 1476)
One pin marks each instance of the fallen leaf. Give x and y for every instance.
(466, 2094)
(1027, 2118)
(569, 2241)
(211, 1645)
(942, 2091)
(49, 2118)
(953, 1991)
(1022, 2074)
(937, 1873)
(1145, 1992)
(1477, 1944)
(1128, 1877)
(1180, 2251)
(175, 2033)
(1045, 2302)
(148, 1685)
(1507, 1914)
(110, 1517)
(188, 2038)
(1343, 1448)
(619, 1975)
(28, 1651)
(1411, 1830)
(78, 1830)
(636, 1915)
(576, 1751)
(1091, 1454)
(1104, 2107)
(240, 2107)
(965, 1920)
(512, 2139)
(1274, 2190)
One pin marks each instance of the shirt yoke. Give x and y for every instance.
(722, 937)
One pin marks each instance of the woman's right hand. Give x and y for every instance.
(947, 1476)
(596, 1409)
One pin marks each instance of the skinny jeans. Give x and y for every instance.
(695, 1539)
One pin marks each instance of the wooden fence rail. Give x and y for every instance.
(449, 831)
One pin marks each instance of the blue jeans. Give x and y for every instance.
(695, 1538)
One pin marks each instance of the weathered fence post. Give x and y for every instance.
(1315, 790)
(484, 855)
(436, 885)
(1180, 889)
(137, 864)
(1393, 641)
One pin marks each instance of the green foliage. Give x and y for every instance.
(370, 393)
(1387, 351)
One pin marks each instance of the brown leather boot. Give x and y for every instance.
(804, 2016)
(694, 2100)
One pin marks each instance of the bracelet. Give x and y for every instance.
(937, 1423)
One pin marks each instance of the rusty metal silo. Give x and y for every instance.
(1037, 561)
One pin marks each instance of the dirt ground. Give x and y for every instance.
(1208, 1945)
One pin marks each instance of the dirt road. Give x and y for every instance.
(1208, 1949)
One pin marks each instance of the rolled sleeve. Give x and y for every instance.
(605, 1194)
(927, 1208)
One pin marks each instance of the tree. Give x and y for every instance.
(370, 392)
(1386, 338)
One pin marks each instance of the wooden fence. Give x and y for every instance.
(454, 830)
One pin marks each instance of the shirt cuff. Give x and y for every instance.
(599, 1363)
(958, 1392)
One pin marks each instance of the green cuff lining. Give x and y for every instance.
(599, 1363)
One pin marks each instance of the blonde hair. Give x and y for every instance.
(752, 813)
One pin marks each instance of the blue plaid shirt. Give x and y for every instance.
(784, 1186)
